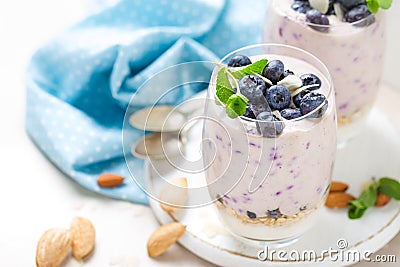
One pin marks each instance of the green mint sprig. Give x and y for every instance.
(256, 67)
(374, 5)
(367, 199)
(234, 101)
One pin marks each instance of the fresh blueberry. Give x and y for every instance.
(331, 9)
(274, 213)
(249, 113)
(286, 73)
(311, 101)
(349, 4)
(274, 70)
(358, 13)
(315, 17)
(268, 125)
(239, 61)
(291, 113)
(310, 79)
(301, 6)
(297, 98)
(252, 87)
(278, 97)
(259, 106)
(251, 215)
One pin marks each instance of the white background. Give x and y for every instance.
(34, 195)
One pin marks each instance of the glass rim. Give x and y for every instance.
(344, 24)
(323, 71)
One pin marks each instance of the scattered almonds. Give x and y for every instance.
(382, 200)
(174, 195)
(338, 200)
(53, 247)
(162, 238)
(338, 187)
(109, 180)
(83, 236)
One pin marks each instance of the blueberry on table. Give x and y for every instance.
(317, 18)
(252, 87)
(301, 6)
(239, 61)
(278, 97)
(312, 101)
(310, 79)
(297, 98)
(274, 70)
(251, 215)
(291, 113)
(358, 13)
(268, 125)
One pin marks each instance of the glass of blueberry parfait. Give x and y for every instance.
(348, 36)
(269, 140)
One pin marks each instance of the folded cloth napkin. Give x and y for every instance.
(80, 83)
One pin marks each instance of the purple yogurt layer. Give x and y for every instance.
(294, 168)
(353, 55)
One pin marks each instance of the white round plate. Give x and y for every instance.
(375, 153)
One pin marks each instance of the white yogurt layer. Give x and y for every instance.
(353, 55)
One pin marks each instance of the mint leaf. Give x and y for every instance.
(356, 209)
(256, 67)
(368, 197)
(223, 88)
(236, 106)
(389, 187)
(385, 4)
(385, 185)
(373, 5)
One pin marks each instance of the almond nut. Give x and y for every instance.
(83, 236)
(338, 187)
(174, 195)
(382, 200)
(162, 238)
(53, 247)
(110, 180)
(338, 200)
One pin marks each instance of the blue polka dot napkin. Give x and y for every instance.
(80, 83)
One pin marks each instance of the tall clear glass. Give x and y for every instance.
(270, 189)
(353, 53)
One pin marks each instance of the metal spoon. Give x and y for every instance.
(160, 145)
(156, 146)
(158, 119)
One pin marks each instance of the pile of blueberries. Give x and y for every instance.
(353, 10)
(264, 98)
